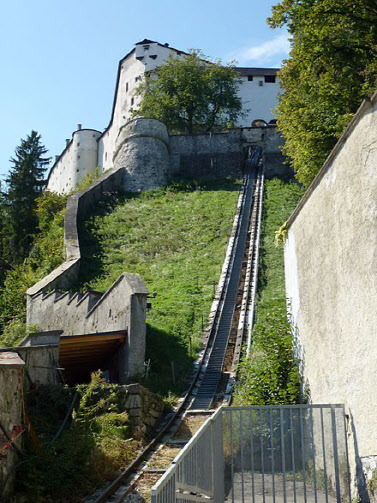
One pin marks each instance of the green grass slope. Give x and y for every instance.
(176, 239)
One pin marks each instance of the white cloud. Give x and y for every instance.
(266, 53)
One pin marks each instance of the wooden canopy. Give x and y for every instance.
(89, 350)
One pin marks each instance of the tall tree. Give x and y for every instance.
(331, 68)
(3, 261)
(24, 184)
(190, 94)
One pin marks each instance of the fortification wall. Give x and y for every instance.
(201, 155)
(218, 155)
(122, 307)
(331, 278)
(141, 150)
(77, 160)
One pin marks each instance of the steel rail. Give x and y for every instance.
(235, 250)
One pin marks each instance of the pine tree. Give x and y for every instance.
(3, 262)
(24, 184)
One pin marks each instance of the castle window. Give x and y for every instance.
(132, 101)
(139, 57)
(250, 78)
(126, 86)
(105, 156)
(78, 144)
(154, 56)
(270, 79)
(146, 47)
(260, 83)
(78, 157)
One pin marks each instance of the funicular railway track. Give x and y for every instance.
(228, 331)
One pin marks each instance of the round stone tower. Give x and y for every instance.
(141, 148)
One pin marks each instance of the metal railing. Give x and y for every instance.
(263, 454)
(198, 468)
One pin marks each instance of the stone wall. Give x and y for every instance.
(11, 420)
(40, 362)
(331, 280)
(218, 155)
(143, 407)
(141, 150)
(122, 307)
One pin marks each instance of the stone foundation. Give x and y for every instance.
(143, 407)
(11, 404)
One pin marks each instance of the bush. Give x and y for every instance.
(271, 374)
(95, 445)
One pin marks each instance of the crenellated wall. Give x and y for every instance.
(122, 307)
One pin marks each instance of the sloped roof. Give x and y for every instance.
(146, 41)
(245, 71)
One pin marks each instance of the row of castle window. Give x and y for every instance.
(269, 79)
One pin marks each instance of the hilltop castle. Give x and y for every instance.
(89, 148)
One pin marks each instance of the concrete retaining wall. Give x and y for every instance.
(331, 279)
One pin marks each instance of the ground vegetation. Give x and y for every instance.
(174, 237)
(78, 439)
(271, 374)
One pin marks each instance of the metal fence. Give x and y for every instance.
(267, 454)
(198, 468)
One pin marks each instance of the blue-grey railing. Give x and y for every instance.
(263, 454)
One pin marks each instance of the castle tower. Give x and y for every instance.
(141, 148)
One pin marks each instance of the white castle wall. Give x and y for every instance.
(89, 148)
(77, 160)
(130, 73)
(258, 99)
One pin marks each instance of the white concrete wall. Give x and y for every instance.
(259, 100)
(331, 278)
(77, 160)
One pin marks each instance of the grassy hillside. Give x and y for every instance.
(175, 238)
(270, 375)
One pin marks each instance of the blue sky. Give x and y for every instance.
(59, 58)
